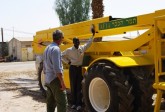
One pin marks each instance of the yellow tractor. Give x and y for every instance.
(120, 71)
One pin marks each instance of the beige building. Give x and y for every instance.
(21, 49)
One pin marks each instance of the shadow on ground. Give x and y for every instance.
(24, 84)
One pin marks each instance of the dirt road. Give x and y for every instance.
(19, 91)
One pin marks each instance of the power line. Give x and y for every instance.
(18, 31)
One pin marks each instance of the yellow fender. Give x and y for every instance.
(127, 61)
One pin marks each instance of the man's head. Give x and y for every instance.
(76, 42)
(58, 36)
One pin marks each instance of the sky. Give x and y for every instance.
(23, 18)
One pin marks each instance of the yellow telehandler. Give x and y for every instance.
(124, 70)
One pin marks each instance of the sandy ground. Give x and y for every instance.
(19, 90)
(20, 93)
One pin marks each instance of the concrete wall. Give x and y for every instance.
(21, 50)
(15, 48)
(3, 49)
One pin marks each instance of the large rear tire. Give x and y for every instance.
(143, 91)
(107, 89)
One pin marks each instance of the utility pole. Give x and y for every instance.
(2, 42)
(2, 33)
(13, 32)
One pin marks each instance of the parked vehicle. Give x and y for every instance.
(118, 75)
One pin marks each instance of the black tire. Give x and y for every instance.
(39, 73)
(143, 91)
(120, 98)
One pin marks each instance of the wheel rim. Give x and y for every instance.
(43, 80)
(99, 95)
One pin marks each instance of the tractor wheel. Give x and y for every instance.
(142, 89)
(41, 79)
(106, 89)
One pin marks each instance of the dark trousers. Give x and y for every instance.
(55, 97)
(75, 75)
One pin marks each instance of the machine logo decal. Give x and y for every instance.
(118, 23)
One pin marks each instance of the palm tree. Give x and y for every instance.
(97, 11)
(97, 8)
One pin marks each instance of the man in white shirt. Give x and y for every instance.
(74, 57)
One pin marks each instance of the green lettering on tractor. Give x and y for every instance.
(118, 23)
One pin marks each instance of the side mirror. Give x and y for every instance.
(93, 31)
